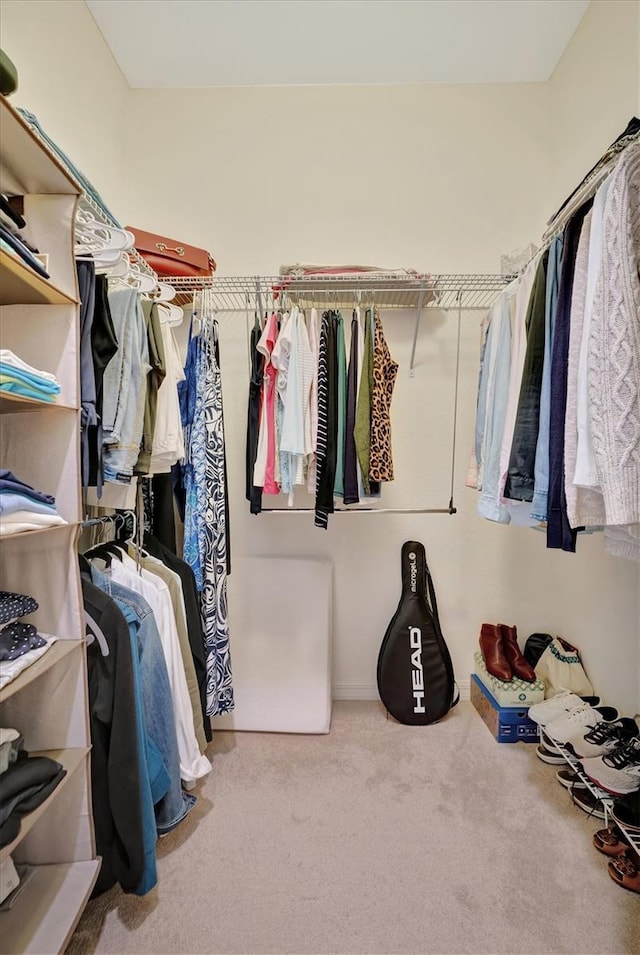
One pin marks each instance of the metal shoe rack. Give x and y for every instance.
(633, 838)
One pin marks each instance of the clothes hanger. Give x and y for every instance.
(113, 547)
(106, 552)
(94, 236)
(170, 314)
(165, 292)
(140, 281)
(119, 270)
(93, 632)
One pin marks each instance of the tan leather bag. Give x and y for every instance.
(170, 257)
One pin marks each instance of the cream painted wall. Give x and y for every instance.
(430, 176)
(443, 178)
(593, 90)
(69, 79)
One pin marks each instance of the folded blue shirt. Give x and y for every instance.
(12, 484)
(25, 391)
(35, 381)
(20, 502)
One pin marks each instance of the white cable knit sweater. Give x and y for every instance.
(614, 352)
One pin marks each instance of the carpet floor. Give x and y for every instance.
(378, 838)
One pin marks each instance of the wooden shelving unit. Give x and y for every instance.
(71, 759)
(20, 285)
(40, 442)
(57, 652)
(16, 404)
(49, 908)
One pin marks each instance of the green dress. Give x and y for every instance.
(362, 430)
(338, 487)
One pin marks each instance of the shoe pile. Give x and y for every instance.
(621, 842)
(604, 747)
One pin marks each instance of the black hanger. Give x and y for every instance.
(105, 552)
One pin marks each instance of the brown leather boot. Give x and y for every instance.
(493, 652)
(519, 665)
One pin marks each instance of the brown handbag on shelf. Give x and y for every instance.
(171, 257)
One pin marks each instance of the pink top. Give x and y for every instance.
(264, 470)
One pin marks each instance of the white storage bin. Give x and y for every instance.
(280, 622)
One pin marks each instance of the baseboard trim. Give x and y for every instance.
(367, 691)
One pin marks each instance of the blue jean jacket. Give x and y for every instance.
(173, 803)
(124, 388)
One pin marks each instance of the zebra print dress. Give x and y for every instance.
(206, 538)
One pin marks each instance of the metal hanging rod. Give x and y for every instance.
(589, 186)
(358, 509)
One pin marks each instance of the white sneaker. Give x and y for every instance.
(603, 738)
(558, 705)
(618, 772)
(564, 727)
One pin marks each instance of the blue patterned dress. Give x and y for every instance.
(205, 530)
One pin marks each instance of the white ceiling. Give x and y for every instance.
(171, 44)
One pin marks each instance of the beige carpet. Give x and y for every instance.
(377, 838)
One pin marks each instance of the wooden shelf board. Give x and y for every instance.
(27, 165)
(58, 651)
(16, 404)
(5, 538)
(71, 759)
(49, 908)
(20, 285)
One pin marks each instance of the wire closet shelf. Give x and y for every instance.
(386, 290)
(237, 293)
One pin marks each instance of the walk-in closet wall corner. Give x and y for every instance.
(417, 201)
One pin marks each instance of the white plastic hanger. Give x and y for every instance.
(170, 314)
(165, 292)
(93, 632)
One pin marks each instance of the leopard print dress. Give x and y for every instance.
(385, 370)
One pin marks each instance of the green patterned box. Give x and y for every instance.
(515, 693)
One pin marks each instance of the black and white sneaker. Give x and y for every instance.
(570, 780)
(619, 771)
(602, 738)
(589, 803)
(549, 756)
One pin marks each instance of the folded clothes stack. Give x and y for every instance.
(24, 785)
(11, 743)
(13, 240)
(20, 643)
(19, 378)
(22, 508)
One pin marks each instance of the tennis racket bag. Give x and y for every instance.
(415, 673)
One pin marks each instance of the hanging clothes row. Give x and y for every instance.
(146, 717)
(316, 419)
(130, 369)
(558, 414)
(141, 409)
(203, 485)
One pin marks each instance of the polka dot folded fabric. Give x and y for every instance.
(14, 606)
